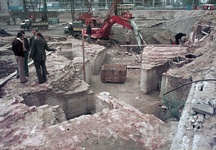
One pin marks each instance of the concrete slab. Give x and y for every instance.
(204, 109)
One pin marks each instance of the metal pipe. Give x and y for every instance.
(83, 56)
(189, 83)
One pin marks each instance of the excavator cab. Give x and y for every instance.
(95, 22)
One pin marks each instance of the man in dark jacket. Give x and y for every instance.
(26, 53)
(178, 37)
(34, 31)
(88, 31)
(17, 47)
(38, 54)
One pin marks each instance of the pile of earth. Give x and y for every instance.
(4, 33)
(6, 68)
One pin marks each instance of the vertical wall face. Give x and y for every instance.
(97, 62)
(95, 53)
(76, 104)
(72, 103)
(170, 82)
(88, 72)
(151, 78)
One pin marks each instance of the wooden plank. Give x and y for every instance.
(156, 45)
(133, 67)
(3, 81)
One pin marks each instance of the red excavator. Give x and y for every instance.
(105, 31)
(84, 15)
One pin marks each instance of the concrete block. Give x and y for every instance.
(151, 78)
(200, 118)
(204, 109)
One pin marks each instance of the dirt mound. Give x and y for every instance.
(183, 25)
(152, 40)
(6, 66)
(205, 53)
(164, 37)
(4, 33)
(168, 14)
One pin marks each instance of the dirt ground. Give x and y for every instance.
(130, 90)
(152, 31)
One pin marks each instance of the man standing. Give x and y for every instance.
(26, 53)
(88, 31)
(128, 39)
(178, 37)
(38, 54)
(17, 47)
(34, 31)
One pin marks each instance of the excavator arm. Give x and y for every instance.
(105, 30)
(112, 9)
(89, 6)
(84, 15)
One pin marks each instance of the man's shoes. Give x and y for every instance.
(41, 82)
(24, 81)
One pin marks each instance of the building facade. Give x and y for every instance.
(17, 5)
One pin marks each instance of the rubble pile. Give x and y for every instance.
(4, 33)
(4, 66)
(196, 128)
(202, 110)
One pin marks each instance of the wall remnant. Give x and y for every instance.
(156, 61)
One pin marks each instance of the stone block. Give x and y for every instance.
(200, 118)
(203, 109)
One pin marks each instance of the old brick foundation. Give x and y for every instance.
(156, 61)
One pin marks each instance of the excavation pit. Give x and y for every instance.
(190, 56)
(73, 103)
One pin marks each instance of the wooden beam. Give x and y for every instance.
(133, 67)
(83, 56)
(156, 45)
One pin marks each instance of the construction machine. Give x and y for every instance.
(105, 31)
(75, 28)
(29, 24)
(84, 15)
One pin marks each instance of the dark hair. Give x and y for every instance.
(35, 29)
(22, 31)
(39, 34)
(19, 34)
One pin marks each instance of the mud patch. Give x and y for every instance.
(5, 65)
